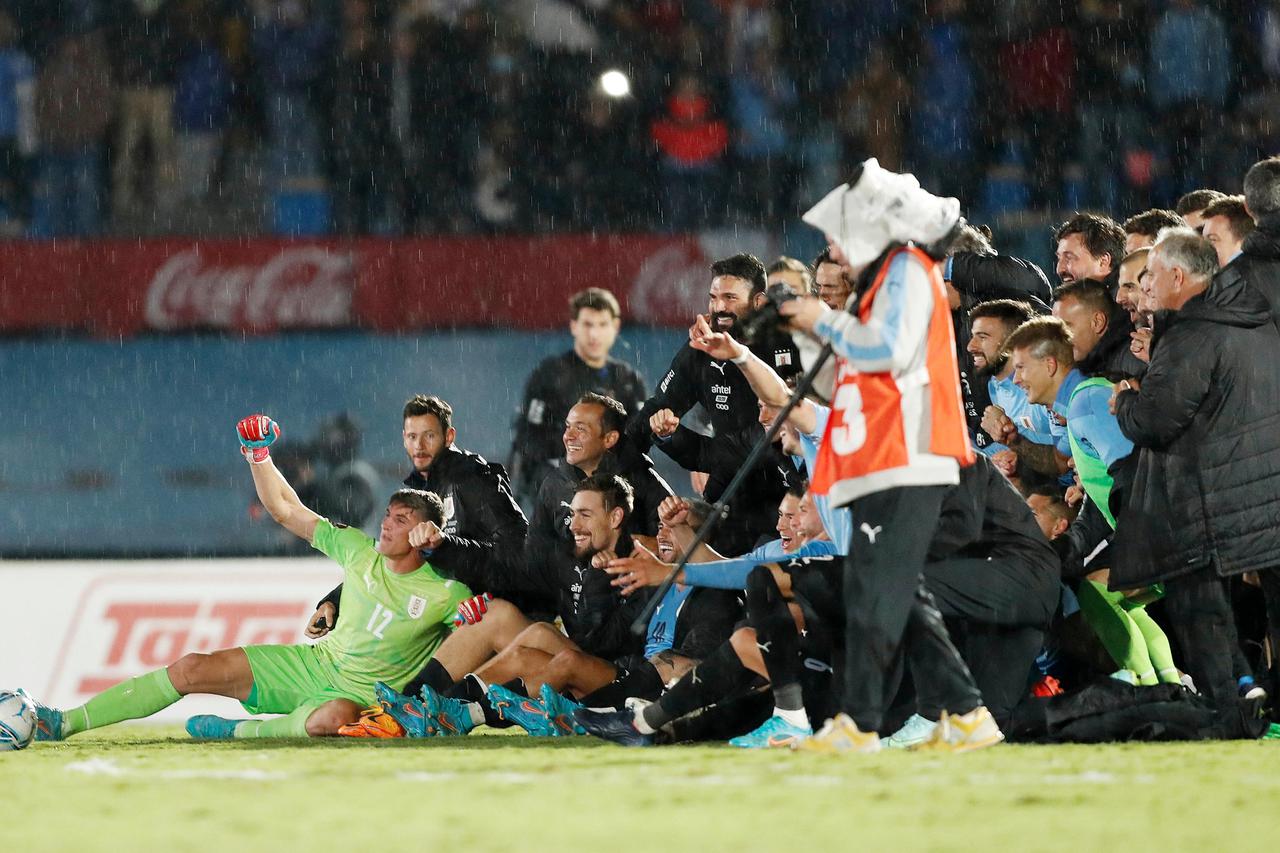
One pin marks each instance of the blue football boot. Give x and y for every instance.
(615, 726)
(528, 714)
(48, 720)
(560, 710)
(408, 711)
(209, 727)
(447, 717)
(773, 732)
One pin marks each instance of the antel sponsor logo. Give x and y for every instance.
(298, 286)
(126, 625)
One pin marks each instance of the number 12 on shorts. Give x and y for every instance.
(379, 613)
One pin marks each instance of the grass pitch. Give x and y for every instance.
(150, 788)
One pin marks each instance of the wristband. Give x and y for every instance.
(742, 358)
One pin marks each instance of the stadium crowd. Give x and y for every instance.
(134, 116)
(1012, 510)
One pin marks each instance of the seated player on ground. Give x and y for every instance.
(688, 624)
(397, 608)
(498, 647)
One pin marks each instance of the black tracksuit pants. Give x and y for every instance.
(888, 609)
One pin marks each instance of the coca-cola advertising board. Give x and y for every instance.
(75, 630)
(117, 288)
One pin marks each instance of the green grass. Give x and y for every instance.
(149, 788)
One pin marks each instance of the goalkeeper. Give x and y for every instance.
(396, 612)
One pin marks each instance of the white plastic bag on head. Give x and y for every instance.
(883, 207)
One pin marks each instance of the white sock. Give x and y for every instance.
(641, 726)
(797, 718)
(476, 712)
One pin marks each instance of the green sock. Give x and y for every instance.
(1157, 645)
(290, 725)
(129, 700)
(1118, 633)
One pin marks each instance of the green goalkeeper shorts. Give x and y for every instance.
(287, 678)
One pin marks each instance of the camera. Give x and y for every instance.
(766, 323)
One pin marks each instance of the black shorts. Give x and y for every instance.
(640, 677)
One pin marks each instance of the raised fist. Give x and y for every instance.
(257, 433)
(426, 535)
(664, 423)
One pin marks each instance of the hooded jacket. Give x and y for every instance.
(1206, 423)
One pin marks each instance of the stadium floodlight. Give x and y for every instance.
(615, 84)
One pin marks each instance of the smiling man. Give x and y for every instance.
(557, 383)
(399, 610)
(481, 540)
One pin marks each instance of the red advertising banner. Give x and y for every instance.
(113, 288)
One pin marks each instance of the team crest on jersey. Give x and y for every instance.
(448, 508)
(417, 606)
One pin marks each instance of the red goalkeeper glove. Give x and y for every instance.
(472, 610)
(257, 434)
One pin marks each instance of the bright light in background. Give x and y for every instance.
(615, 84)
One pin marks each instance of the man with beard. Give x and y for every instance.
(495, 648)
(482, 540)
(688, 624)
(990, 324)
(737, 288)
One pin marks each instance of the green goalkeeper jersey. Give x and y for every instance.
(391, 624)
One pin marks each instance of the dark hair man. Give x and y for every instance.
(1128, 288)
(1088, 245)
(1259, 261)
(832, 287)
(1206, 420)
(990, 324)
(1100, 329)
(592, 444)
(1140, 230)
(974, 273)
(482, 540)
(406, 606)
(494, 649)
(558, 381)
(1191, 206)
(1226, 225)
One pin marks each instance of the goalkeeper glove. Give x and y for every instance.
(257, 433)
(472, 610)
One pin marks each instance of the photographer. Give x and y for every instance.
(896, 373)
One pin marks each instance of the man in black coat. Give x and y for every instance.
(1205, 494)
(1259, 260)
(482, 541)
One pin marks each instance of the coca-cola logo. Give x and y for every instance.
(671, 285)
(298, 287)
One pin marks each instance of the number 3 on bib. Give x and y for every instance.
(850, 433)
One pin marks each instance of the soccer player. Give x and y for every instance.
(482, 538)
(398, 612)
(559, 382)
(496, 648)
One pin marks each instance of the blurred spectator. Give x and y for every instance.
(1189, 78)
(871, 120)
(1115, 140)
(144, 58)
(607, 177)
(362, 154)
(942, 124)
(203, 91)
(692, 143)
(74, 94)
(762, 98)
(1038, 66)
(17, 124)
(291, 44)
